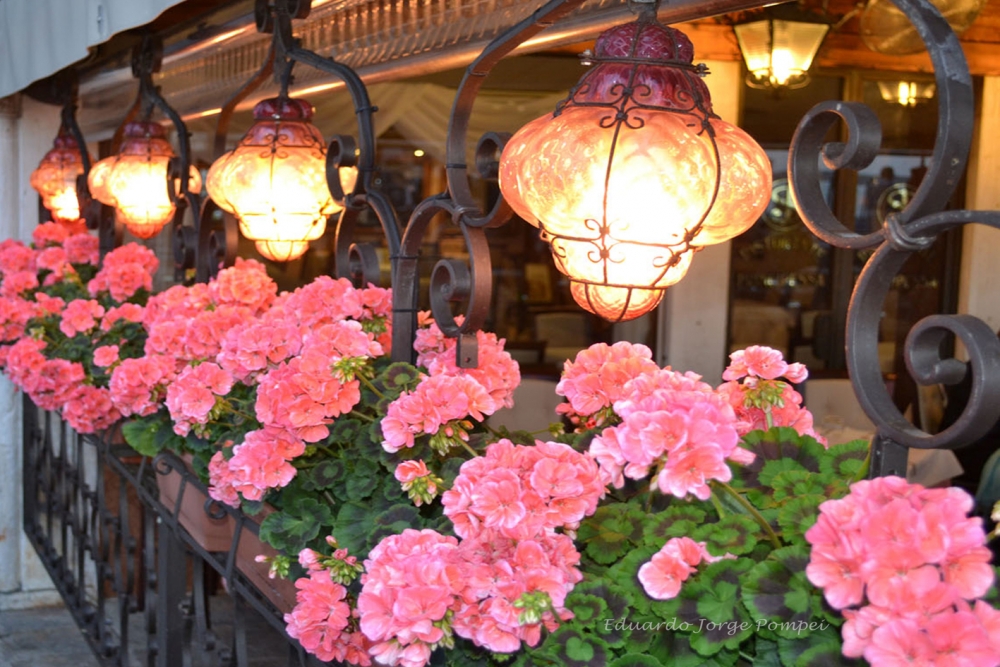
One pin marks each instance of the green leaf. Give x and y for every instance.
(772, 469)
(780, 443)
(779, 596)
(625, 575)
(611, 532)
(824, 655)
(676, 521)
(711, 603)
(141, 436)
(797, 515)
(617, 604)
(766, 653)
(352, 527)
(571, 648)
(733, 534)
(588, 610)
(328, 474)
(362, 481)
(795, 483)
(400, 376)
(822, 648)
(636, 660)
(345, 431)
(289, 533)
(847, 460)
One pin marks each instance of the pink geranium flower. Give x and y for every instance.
(671, 566)
(903, 562)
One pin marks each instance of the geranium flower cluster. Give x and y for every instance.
(299, 357)
(674, 426)
(906, 566)
(506, 577)
(762, 400)
(69, 322)
(186, 326)
(322, 619)
(448, 395)
(597, 378)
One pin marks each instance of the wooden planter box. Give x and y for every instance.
(281, 592)
(210, 533)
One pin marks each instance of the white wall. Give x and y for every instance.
(692, 318)
(979, 281)
(27, 129)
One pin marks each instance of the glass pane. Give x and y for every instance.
(780, 276)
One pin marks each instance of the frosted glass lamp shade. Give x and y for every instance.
(627, 186)
(55, 178)
(274, 180)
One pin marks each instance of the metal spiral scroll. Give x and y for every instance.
(912, 229)
(453, 280)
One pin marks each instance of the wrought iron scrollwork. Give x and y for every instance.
(451, 280)
(913, 228)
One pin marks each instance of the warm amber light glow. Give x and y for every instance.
(55, 178)
(135, 180)
(779, 51)
(907, 93)
(626, 195)
(274, 181)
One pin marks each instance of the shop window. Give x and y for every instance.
(790, 290)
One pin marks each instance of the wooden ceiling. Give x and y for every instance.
(714, 40)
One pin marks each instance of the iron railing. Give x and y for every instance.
(142, 588)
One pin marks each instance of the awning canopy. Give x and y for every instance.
(40, 37)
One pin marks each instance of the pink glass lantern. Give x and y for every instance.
(633, 173)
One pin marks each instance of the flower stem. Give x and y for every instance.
(368, 383)
(751, 510)
(465, 445)
(718, 505)
(863, 471)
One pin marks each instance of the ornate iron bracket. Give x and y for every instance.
(451, 280)
(358, 262)
(912, 229)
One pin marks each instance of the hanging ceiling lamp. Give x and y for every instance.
(780, 49)
(633, 173)
(274, 181)
(135, 181)
(906, 93)
(55, 178)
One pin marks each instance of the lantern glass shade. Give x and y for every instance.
(274, 180)
(55, 178)
(907, 93)
(625, 198)
(97, 181)
(778, 53)
(136, 183)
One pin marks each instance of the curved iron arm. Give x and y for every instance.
(355, 261)
(451, 280)
(912, 229)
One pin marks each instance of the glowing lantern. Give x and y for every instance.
(780, 49)
(55, 178)
(274, 181)
(97, 181)
(633, 173)
(135, 180)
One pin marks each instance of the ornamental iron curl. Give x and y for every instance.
(913, 228)
(471, 283)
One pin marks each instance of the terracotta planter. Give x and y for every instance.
(281, 592)
(210, 533)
